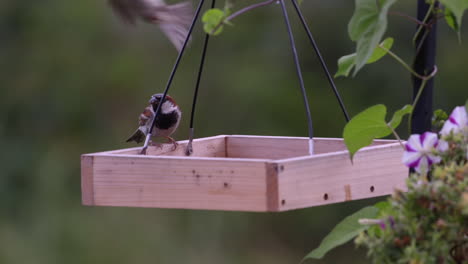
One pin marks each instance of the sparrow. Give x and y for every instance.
(166, 123)
(174, 20)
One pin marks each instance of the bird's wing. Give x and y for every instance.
(176, 33)
(175, 21)
(122, 10)
(146, 116)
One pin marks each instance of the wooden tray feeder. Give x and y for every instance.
(243, 173)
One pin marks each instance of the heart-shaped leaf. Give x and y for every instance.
(369, 125)
(457, 8)
(365, 127)
(367, 27)
(213, 20)
(343, 232)
(399, 114)
(346, 63)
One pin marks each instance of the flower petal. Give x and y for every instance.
(423, 165)
(414, 142)
(429, 140)
(449, 127)
(410, 158)
(433, 159)
(457, 121)
(443, 146)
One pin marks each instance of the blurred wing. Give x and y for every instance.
(176, 33)
(122, 10)
(175, 21)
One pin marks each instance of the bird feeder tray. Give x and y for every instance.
(242, 173)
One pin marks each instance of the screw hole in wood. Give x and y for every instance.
(372, 189)
(325, 196)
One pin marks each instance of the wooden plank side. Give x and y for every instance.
(273, 204)
(202, 147)
(188, 183)
(331, 178)
(268, 147)
(87, 189)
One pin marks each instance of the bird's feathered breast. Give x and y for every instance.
(169, 115)
(167, 120)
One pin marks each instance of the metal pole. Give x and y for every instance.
(299, 75)
(424, 64)
(322, 61)
(189, 148)
(171, 77)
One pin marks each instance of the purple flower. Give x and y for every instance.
(457, 122)
(391, 219)
(419, 153)
(382, 224)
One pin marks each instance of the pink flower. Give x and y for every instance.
(457, 122)
(420, 151)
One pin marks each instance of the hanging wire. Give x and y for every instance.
(322, 61)
(299, 75)
(189, 148)
(171, 77)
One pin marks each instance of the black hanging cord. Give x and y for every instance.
(171, 77)
(299, 75)
(189, 148)
(322, 61)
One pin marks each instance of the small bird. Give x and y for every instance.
(174, 20)
(166, 123)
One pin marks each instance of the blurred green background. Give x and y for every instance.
(73, 80)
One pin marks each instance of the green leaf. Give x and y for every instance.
(440, 114)
(343, 232)
(457, 7)
(365, 127)
(381, 50)
(369, 125)
(382, 206)
(213, 19)
(451, 20)
(346, 63)
(399, 114)
(367, 27)
(438, 119)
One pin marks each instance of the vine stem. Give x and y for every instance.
(242, 11)
(396, 136)
(408, 17)
(248, 8)
(424, 79)
(424, 22)
(406, 66)
(418, 95)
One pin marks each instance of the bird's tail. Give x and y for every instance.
(138, 136)
(175, 22)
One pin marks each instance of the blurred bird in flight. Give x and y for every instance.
(174, 20)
